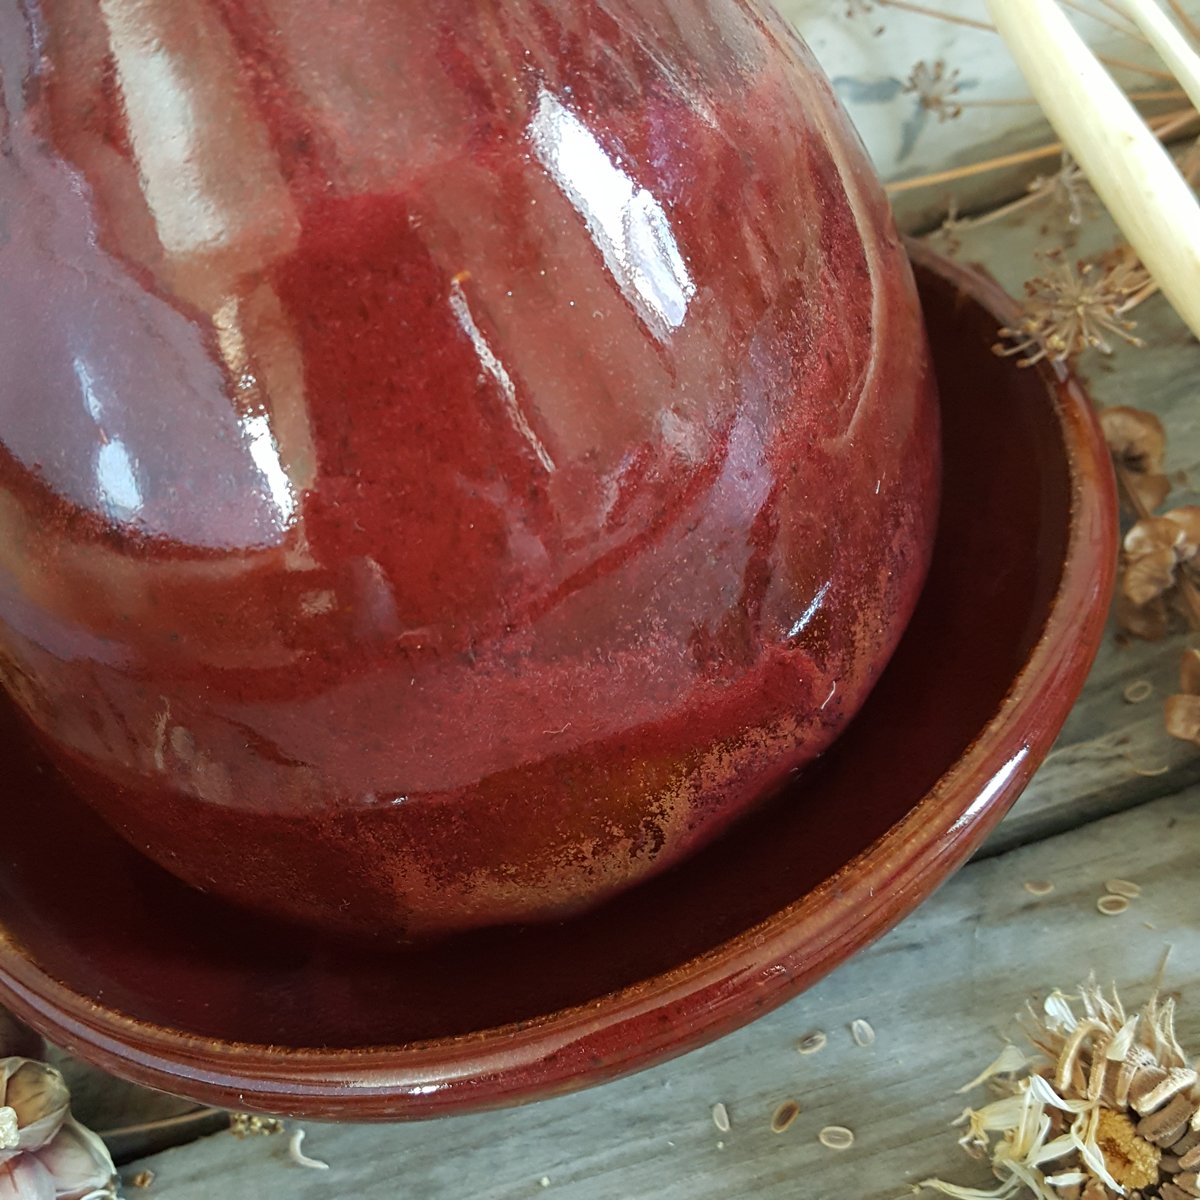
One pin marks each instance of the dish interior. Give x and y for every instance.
(109, 924)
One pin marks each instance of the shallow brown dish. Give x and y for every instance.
(117, 961)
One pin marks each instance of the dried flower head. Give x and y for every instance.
(1138, 444)
(1111, 1107)
(935, 88)
(1182, 711)
(1155, 548)
(1074, 307)
(1068, 188)
(45, 1154)
(862, 8)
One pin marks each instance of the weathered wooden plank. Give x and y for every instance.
(939, 991)
(1111, 754)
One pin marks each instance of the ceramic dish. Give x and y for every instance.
(118, 962)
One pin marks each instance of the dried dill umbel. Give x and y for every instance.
(1108, 1106)
(1072, 307)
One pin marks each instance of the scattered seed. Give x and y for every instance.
(143, 1179)
(299, 1157)
(1137, 691)
(1039, 887)
(720, 1115)
(544, 1181)
(1123, 887)
(1112, 906)
(836, 1137)
(861, 1032)
(814, 1043)
(720, 1145)
(785, 1114)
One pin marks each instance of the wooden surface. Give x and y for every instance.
(1116, 797)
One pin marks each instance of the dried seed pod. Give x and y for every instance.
(1189, 672)
(1148, 1100)
(1164, 1126)
(1136, 438)
(1181, 715)
(836, 1137)
(862, 1032)
(1187, 518)
(1123, 887)
(785, 1114)
(813, 1043)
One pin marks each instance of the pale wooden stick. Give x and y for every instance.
(1130, 171)
(1170, 44)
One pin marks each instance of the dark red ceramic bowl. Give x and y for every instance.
(123, 965)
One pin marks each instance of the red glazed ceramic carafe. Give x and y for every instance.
(454, 457)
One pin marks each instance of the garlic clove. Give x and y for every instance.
(78, 1161)
(38, 1094)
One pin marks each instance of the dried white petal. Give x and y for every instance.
(1070, 1052)
(1045, 1094)
(1003, 1190)
(1059, 1148)
(1058, 1012)
(862, 1032)
(299, 1157)
(1067, 1179)
(720, 1116)
(814, 1043)
(1120, 1045)
(1090, 1152)
(1010, 1060)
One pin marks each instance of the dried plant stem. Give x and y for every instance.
(1185, 20)
(1170, 45)
(1124, 28)
(1187, 589)
(1130, 171)
(1164, 125)
(937, 14)
(1146, 94)
(953, 174)
(1125, 64)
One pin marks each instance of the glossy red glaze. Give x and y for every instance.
(121, 963)
(454, 458)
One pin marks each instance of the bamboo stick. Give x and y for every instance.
(1166, 39)
(1130, 171)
